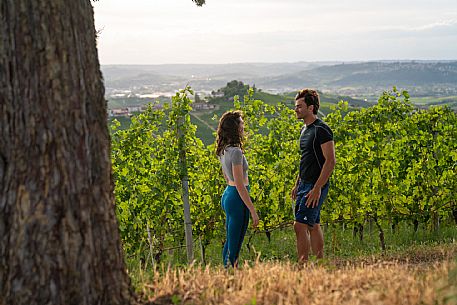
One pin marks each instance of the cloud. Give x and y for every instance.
(169, 31)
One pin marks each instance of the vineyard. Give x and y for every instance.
(396, 166)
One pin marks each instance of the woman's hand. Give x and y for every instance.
(255, 219)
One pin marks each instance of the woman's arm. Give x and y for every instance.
(244, 194)
(225, 176)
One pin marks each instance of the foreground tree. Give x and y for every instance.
(59, 239)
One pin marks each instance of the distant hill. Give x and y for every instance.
(203, 78)
(423, 78)
(431, 83)
(432, 80)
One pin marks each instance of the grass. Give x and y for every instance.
(125, 121)
(451, 101)
(273, 99)
(415, 269)
(204, 132)
(290, 283)
(339, 244)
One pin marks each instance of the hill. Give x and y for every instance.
(435, 81)
(371, 78)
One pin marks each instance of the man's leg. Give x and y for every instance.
(316, 234)
(317, 241)
(303, 241)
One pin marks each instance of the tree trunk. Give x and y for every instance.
(416, 225)
(357, 229)
(381, 235)
(335, 245)
(59, 239)
(435, 222)
(454, 213)
(203, 251)
(361, 232)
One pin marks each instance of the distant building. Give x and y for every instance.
(134, 109)
(203, 106)
(118, 112)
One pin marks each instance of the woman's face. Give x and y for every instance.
(241, 126)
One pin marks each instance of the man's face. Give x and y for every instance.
(301, 109)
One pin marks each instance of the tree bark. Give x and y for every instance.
(454, 211)
(381, 235)
(59, 238)
(416, 225)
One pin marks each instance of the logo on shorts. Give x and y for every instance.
(306, 218)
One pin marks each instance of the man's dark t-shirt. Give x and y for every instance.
(312, 158)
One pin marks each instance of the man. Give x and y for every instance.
(316, 165)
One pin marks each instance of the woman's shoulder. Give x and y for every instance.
(233, 152)
(232, 148)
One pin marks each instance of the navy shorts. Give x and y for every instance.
(304, 214)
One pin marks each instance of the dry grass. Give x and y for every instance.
(286, 283)
(415, 257)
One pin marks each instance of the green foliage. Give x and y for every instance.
(227, 93)
(148, 176)
(273, 157)
(199, 2)
(394, 163)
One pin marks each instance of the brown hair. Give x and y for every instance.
(228, 131)
(311, 98)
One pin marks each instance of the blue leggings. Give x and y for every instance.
(236, 224)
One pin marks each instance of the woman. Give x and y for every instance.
(235, 200)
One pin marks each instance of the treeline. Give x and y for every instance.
(226, 94)
(395, 163)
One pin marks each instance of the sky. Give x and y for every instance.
(234, 31)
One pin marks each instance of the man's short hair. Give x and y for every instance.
(311, 98)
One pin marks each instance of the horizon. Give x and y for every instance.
(294, 62)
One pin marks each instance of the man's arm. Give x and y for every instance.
(328, 150)
(294, 189)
